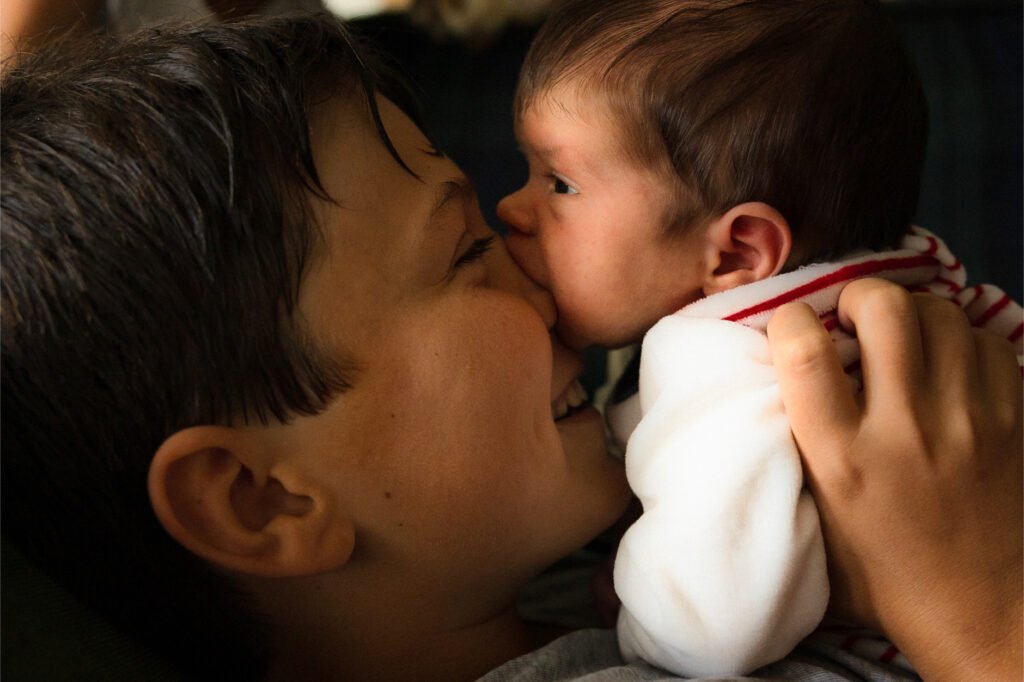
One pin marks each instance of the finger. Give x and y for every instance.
(999, 378)
(950, 357)
(821, 408)
(885, 320)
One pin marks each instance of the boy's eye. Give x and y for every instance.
(475, 251)
(560, 186)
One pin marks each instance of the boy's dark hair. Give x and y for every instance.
(155, 234)
(811, 106)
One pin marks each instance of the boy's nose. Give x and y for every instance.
(513, 212)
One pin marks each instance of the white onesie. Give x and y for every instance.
(724, 572)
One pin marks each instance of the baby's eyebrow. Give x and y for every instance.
(547, 152)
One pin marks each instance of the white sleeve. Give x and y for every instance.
(725, 570)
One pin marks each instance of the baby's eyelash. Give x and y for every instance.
(556, 181)
(477, 249)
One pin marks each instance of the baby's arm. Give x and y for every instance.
(919, 486)
(725, 570)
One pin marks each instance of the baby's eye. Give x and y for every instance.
(560, 186)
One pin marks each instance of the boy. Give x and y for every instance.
(682, 155)
(154, 202)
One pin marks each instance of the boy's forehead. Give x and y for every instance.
(339, 111)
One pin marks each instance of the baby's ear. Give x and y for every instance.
(748, 243)
(225, 496)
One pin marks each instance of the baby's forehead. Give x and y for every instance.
(568, 103)
(574, 116)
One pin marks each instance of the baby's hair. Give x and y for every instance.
(811, 106)
(156, 230)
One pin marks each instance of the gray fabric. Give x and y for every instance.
(47, 634)
(592, 656)
(562, 597)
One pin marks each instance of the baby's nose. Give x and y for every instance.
(514, 212)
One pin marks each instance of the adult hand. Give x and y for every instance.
(918, 480)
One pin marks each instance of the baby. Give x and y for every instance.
(683, 154)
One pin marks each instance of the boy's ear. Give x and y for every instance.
(747, 243)
(223, 494)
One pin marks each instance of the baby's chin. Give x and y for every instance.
(578, 337)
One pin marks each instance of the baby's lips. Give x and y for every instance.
(523, 252)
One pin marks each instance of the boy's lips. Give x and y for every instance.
(571, 398)
(566, 391)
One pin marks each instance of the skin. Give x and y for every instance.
(590, 224)
(386, 537)
(918, 482)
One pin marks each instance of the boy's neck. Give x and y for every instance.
(389, 651)
(329, 630)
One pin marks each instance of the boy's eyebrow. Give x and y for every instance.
(447, 191)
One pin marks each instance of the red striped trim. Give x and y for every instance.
(933, 246)
(953, 286)
(955, 266)
(978, 291)
(831, 323)
(1016, 333)
(849, 641)
(992, 311)
(889, 654)
(850, 272)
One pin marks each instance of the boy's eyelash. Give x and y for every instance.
(477, 249)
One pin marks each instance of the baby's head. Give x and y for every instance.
(680, 148)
